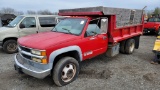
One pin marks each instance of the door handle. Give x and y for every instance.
(104, 38)
(92, 38)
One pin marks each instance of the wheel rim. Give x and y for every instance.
(132, 47)
(12, 47)
(68, 72)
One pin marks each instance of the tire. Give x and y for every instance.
(122, 47)
(64, 66)
(130, 46)
(10, 46)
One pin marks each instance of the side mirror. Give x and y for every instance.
(104, 25)
(21, 26)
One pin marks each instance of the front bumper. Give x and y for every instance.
(1, 43)
(29, 69)
(151, 30)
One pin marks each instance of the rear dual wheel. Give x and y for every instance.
(128, 46)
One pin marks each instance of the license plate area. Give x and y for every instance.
(24, 61)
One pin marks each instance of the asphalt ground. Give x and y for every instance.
(123, 72)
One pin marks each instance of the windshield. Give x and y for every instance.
(15, 21)
(70, 26)
(154, 20)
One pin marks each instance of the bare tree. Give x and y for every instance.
(7, 11)
(18, 13)
(149, 13)
(30, 12)
(44, 12)
(157, 11)
(55, 13)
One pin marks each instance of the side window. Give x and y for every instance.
(92, 30)
(93, 27)
(157, 19)
(151, 20)
(154, 20)
(29, 22)
(47, 21)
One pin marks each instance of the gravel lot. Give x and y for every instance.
(123, 72)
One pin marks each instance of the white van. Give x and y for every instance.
(24, 25)
(0, 22)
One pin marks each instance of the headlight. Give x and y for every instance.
(44, 60)
(38, 52)
(40, 56)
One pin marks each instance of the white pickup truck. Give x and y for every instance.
(24, 25)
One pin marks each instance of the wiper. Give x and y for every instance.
(67, 30)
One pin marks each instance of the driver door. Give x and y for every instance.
(95, 42)
(28, 26)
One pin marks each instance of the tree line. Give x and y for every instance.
(29, 12)
(8, 10)
(155, 12)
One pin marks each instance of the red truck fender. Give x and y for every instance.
(55, 53)
(157, 26)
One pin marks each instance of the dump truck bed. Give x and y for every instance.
(120, 25)
(122, 15)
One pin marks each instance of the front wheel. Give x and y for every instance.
(65, 71)
(10, 46)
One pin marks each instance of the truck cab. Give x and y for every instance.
(25, 25)
(152, 25)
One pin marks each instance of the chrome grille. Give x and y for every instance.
(25, 52)
(26, 56)
(25, 49)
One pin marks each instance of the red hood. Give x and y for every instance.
(151, 24)
(45, 40)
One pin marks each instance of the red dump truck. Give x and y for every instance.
(87, 33)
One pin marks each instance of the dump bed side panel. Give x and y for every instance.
(120, 34)
(123, 16)
(123, 33)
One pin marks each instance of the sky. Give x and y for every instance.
(55, 5)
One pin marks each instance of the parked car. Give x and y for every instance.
(152, 25)
(0, 22)
(6, 18)
(89, 32)
(25, 25)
